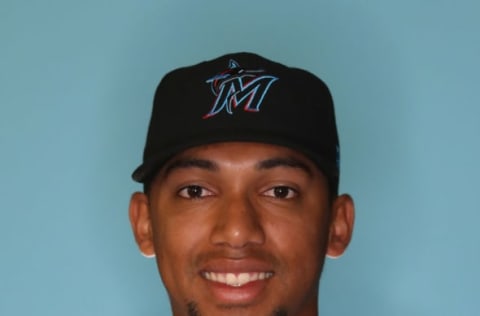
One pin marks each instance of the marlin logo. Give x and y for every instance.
(237, 87)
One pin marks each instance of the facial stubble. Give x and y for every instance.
(192, 309)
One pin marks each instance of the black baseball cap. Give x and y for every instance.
(242, 97)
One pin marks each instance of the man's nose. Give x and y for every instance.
(238, 223)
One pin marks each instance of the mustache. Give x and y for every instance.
(251, 253)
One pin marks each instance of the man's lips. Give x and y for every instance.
(239, 281)
(236, 279)
(236, 289)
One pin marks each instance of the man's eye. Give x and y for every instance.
(281, 192)
(194, 192)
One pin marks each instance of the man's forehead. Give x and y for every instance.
(242, 151)
(259, 156)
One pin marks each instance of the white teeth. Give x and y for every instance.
(231, 279)
(220, 277)
(236, 280)
(243, 278)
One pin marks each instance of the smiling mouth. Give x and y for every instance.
(237, 279)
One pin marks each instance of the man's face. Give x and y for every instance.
(240, 229)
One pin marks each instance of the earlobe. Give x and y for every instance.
(141, 223)
(341, 225)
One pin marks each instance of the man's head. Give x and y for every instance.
(241, 176)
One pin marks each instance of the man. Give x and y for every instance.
(240, 174)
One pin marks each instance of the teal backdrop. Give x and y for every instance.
(76, 85)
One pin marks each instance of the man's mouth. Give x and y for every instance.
(237, 279)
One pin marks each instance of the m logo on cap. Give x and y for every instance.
(237, 87)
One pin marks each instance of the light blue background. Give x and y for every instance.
(76, 84)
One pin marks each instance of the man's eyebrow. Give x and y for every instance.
(185, 163)
(289, 162)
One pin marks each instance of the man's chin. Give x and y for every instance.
(233, 310)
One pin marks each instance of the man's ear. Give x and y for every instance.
(341, 225)
(141, 223)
